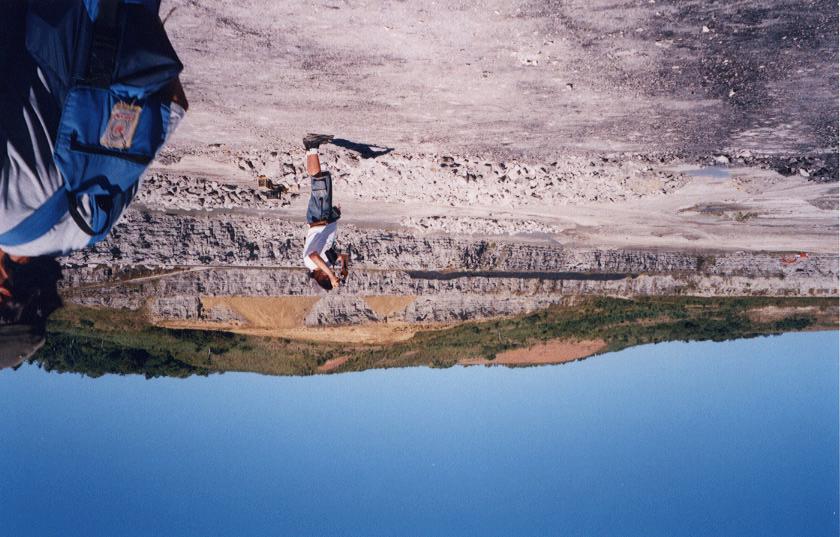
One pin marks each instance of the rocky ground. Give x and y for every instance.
(539, 79)
(493, 158)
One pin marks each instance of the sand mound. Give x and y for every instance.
(266, 312)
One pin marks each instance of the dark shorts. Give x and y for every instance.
(320, 201)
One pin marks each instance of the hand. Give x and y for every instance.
(335, 282)
(178, 95)
(4, 276)
(5, 293)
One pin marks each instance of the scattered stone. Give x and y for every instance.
(485, 226)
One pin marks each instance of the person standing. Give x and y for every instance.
(319, 254)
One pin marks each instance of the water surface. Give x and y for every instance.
(710, 172)
(736, 438)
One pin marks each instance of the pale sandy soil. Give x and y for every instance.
(374, 334)
(518, 77)
(286, 312)
(285, 316)
(267, 313)
(551, 352)
(386, 305)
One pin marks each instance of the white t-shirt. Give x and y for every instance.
(29, 177)
(319, 239)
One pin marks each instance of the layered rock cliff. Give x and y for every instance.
(167, 262)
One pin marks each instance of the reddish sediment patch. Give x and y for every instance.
(556, 351)
(332, 365)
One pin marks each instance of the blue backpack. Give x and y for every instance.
(109, 64)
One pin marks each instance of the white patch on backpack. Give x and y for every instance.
(121, 126)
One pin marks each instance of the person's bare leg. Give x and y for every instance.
(313, 162)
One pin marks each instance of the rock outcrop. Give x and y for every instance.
(167, 262)
(336, 309)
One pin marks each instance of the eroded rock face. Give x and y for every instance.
(173, 296)
(170, 261)
(334, 309)
(457, 180)
(221, 313)
(159, 240)
(459, 307)
(175, 307)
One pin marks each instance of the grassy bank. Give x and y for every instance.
(96, 341)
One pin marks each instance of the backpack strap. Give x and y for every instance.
(40, 222)
(106, 41)
(103, 213)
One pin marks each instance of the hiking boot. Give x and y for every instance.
(314, 141)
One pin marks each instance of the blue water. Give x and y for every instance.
(737, 438)
(710, 172)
